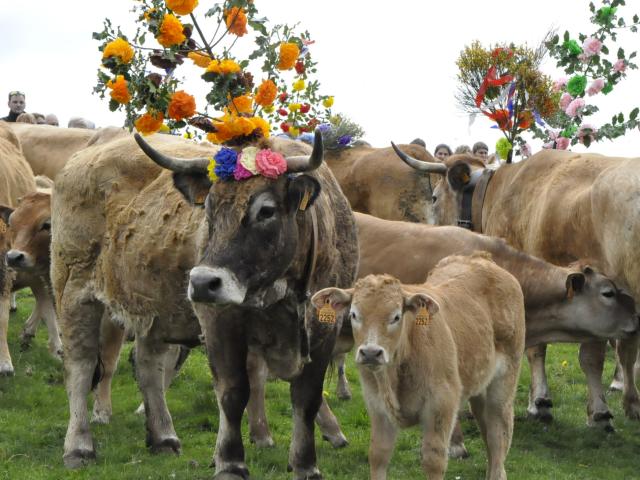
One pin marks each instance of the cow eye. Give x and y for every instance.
(266, 212)
(609, 293)
(46, 226)
(434, 199)
(395, 319)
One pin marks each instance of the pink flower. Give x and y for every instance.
(240, 173)
(620, 66)
(270, 164)
(596, 86)
(562, 143)
(587, 130)
(547, 146)
(583, 57)
(559, 84)
(591, 46)
(575, 107)
(553, 134)
(565, 100)
(525, 150)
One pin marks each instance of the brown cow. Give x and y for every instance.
(560, 206)
(424, 350)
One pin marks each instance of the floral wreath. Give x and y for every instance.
(229, 164)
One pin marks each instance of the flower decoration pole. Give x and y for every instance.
(141, 74)
(590, 73)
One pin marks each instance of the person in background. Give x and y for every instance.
(481, 150)
(51, 119)
(442, 152)
(462, 149)
(25, 117)
(16, 105)
(39, 118)
(79, 122)
(419, 141)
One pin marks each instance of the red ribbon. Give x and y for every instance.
(490, 79)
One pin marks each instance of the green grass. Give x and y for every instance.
(34, 413)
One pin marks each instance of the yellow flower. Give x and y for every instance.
(188, 135)
(164, 128)
(266, 93)
(119, 90)
(182, 7)
(289, 53)
(149, 122)
(294, 107)
(328, 102)
(565, 364)
(294, 131)
(118, 48)
(236, 21)
(224, 66)
(241, 104)
(199, 59)
(181, 106)
(269, 109)
(298, 85)
(211, 168)
(171, 31)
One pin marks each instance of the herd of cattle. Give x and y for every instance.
(283, 276)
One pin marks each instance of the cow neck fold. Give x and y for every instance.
(472, 200)
(305, 293)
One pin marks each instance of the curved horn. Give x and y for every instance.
(195, 165)
(430, 167)
(303, 163)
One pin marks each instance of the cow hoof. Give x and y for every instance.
(336, 441)
(168, 445)
(541, 415)
(601, 420)
(78, 458)
(616, 385)
(308, 474)
(343, 393)
(632, 410)
(263, 441)
(6, 369)
(26, 340)
(458, 451)
(13, 309)
(233, 472)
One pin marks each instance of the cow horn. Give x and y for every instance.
(304, 163)
(431, 167)
(195, 165)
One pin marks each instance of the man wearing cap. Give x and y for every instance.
(16, 106)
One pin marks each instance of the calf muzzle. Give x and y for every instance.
(17, 259)
(370, 355)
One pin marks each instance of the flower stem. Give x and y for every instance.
(204, 40)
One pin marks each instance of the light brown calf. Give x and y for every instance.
(424, 350)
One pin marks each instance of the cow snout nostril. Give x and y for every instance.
(14, 258)
(215, 283)
(370, 355)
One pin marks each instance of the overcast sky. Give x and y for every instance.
(390, 65)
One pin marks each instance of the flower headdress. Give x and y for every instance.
(243, 107)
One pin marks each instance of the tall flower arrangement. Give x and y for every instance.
(505, 84)
(593, 67)
(140, 73)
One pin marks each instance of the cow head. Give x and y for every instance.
(29, 232)
(457, 170)
(250, 237)
(380, 311)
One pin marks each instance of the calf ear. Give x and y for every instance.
(5, 213)
(337, 297)
(194, 187)
(459, 175)
(414, 302)
(575, 284)
(302, 191)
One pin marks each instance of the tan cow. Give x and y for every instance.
(560, 206)
(424, 350)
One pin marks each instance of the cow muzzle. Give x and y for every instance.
(371, 356)
(215, 285)
(19, 260)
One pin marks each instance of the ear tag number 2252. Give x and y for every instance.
(327, 314)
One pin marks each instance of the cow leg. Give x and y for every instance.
(31, 324)
(259, 432)
(439, 420)
(14, 304)
(342, 390)
(80, 325)
(48, 314)
(306, 396)
(111, 339)
(627, 351)
(383, 440)
(456, 444)
(6, 367)
(161, 436)
(539, 399)
(592, 363)
(329, 426)
(617, 383)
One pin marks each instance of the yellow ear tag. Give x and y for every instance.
(466, 178)
(305, 200)
(327, 314)
(423, 317)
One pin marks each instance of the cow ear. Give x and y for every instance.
(414, 302)
(575, 284)
(338, 298)
(194, 187)
(302, 191)
(459, 175)
(5, 213)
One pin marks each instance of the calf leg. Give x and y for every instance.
(6, 367)
(456, 445)
(439, 422)
(150, 353)
(48, 314)
(592, 363)
(383, 440)
(342, 390)
(111, 338)
(259, 432)
(627, 351)
(329, 426)
(539, 399)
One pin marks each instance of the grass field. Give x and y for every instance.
(33, 419)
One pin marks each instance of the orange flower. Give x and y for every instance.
(119, 90)
(262, 124)
(182, 7)
(241, 126)
(525, 119)
(149, 123)
(182, 105)
(199, 59)
(118, 48)
(236, 21)
(241, 104)
(170, 31)
(224, 66)
(266, 93)
(289, 53)
(222, 133)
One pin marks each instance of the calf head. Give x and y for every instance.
(380, 311)
(251, 238)
(29, 233)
